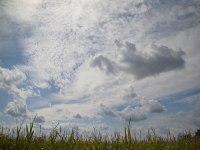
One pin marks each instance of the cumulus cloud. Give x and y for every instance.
(10, 77)
(8, 81)
(105, 64)
(17, 109)
(141, 65)
(137, 113)
(85, 116)
(78, 116)
(107, 111)
(39, 119)
(163, 59)
(153, 106)
(140, 113)
(133, 114)
(129, 94)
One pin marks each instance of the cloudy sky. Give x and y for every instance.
(99, 63)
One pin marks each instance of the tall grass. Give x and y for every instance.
(61, 140)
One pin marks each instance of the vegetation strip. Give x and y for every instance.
(58, 140)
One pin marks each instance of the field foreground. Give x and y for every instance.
(26, 139)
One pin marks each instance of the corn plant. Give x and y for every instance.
(59, 140)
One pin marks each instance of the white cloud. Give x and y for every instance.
(153, 106)
(39, 119)
(107, 111)
(8, 81)
(9, 78)
(69, 46)
(83, 116)
(17, 109)
(129, 94)
(20, 11)
(15, 18)
(70, 111)
(78, 35)
(135, 114)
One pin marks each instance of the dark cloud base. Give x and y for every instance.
(141, 65)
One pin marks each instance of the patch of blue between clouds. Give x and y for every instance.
(45, 92)
(173, 105)
(11, 50)
(5, 97)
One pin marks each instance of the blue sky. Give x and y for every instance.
(95, 63)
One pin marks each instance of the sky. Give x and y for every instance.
(99, 64)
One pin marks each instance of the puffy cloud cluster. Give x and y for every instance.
(141, 65)
(105, 64)
(129, 94)
(9, 79)
(153, 106)
(107, 111)
(39, 119)
(135, 114)
(17, 109)
(84, 116)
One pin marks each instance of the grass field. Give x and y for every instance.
(26, 139)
